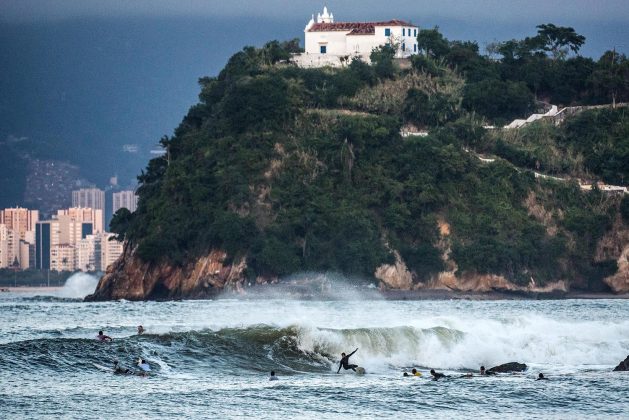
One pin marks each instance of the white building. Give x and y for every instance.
(9, 246)
(20, 220)
(93, 218)
(327, 41)
(125, 199)
(107, 251)
(86, 254)
(62, 257)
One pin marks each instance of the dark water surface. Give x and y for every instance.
(212, 358)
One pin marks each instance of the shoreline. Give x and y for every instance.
(30, 289)
(296, 293)
(349, 293)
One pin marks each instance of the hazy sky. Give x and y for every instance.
(494, 10)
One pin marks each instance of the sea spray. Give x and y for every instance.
(78, 286)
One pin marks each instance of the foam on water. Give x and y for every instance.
(456, 343)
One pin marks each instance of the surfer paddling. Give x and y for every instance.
(344, 363)
(102, 337)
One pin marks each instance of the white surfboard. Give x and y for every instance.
(360, 371)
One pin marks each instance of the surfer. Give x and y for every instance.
(541, 377)
(145, 368)
(484, 372)
(415, 372)
(118, 370)
(344, 363)
(103, 337)
(436, 375)
(140, 330)
(273, 377)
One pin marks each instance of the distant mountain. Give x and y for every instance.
(100, 93)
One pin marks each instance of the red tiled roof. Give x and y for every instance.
(356, 28)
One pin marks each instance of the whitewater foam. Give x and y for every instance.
(78, 286)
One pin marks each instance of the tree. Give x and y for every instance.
(120, 223)
(382, 61)
(432, 42)
(496, 99)
(558, 40)
(610, 80)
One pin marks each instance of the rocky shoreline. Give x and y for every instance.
(215, 275)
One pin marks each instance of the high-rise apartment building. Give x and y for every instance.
(85, 254)
(62, 257)
(9, 246)
(91, 218)
(93, 198)
(125, 199)
(107, 252)
(71, 241)
(19, 220)
(46, 236)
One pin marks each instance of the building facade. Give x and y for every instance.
(46, 236)
(19, 220)
(63, 244)
(62, 257)
(125, 199)
(107, 250)
(9, 247)
(326, 41)
(92, 198)
(87, 221)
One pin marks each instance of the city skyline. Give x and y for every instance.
(71, 239)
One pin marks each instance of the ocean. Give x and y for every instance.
(212, 358)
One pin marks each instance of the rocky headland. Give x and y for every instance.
(281, 170)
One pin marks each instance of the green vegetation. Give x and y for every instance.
(503, 84)
(304, 169)
(590, 145)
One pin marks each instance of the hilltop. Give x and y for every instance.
(281, 170)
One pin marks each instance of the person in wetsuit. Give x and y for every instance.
(118, 370)
(541, 377)
(436, 375)
(102, 337)
(485, 372)
(344, 363)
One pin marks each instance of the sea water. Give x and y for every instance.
(212, 358)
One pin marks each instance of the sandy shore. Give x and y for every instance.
(32, 289)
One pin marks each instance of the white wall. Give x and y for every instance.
(339, 43)
(334, 40)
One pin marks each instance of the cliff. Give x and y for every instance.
(132, 279)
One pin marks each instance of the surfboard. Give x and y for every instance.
(360, 371)
(103, 368)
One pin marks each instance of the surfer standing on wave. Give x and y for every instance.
(344, 363)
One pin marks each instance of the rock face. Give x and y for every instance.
(395, 276)
(623, 366)
(398, 277)
(508, 368)
(619, 282)
(130, 278)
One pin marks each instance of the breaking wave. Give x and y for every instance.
(299, 348)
